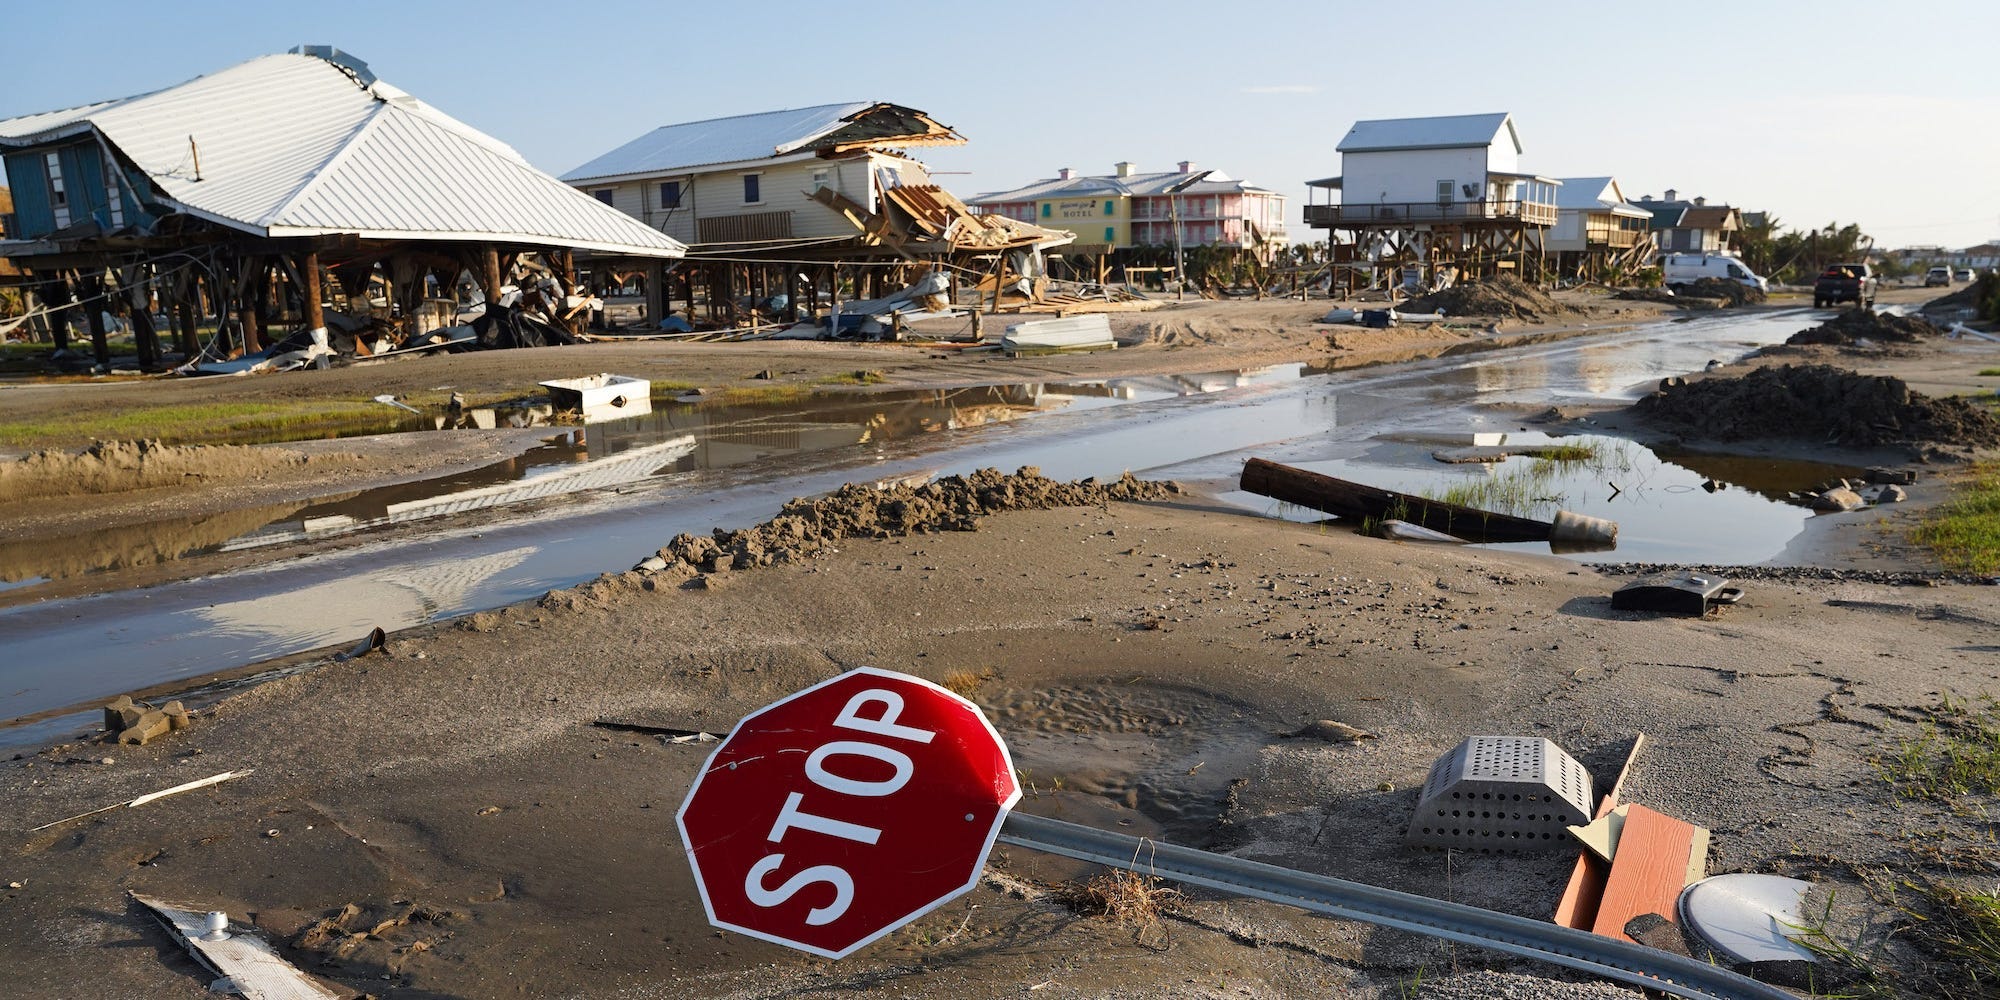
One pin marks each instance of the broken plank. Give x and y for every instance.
(250, 963)
(1583, 893)
(1650, 872)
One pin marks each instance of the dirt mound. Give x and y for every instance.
(1665, 295)
(806, 527)
(114, 467)
(1855, 325)
(1722, 288)
(1505, 298)
(1822, 403)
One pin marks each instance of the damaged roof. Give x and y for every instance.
(295, 145)
(1597, 194)
(826, 128)
(1136, 185)
(1444, 132)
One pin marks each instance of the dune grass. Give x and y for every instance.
(1964, 531)
(206, 423)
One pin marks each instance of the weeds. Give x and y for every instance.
(208, 423)
(966, 683)
(864, 376)
(1955, 754)
(1989, 371)
(1127, 898)
(1965, 530)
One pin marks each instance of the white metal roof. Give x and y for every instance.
(292, 145)
(1597, 194)
(1446, 132)
(719, 140)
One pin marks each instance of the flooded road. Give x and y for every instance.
(599, 498)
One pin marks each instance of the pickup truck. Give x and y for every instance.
(1854, 283)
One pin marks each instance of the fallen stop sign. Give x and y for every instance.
(845, 811)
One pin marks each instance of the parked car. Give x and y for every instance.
(1964, 274)
(1678, 270)
(1939, 275)
(1854, 283)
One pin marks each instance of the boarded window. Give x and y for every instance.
(670, 194)
(603, 195)
(752, 191)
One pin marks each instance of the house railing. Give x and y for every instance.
(1615, 237)
(1397, 213)
(745, 228)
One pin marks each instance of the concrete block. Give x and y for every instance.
(177, 715)
(150, 726)
(120, 714)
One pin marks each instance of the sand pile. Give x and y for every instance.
(1856, 325)
(1722, 288)
(1818, 402)
(1647, 295)
(1504, 298)
(114, 467)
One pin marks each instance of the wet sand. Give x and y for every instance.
(1142, 659)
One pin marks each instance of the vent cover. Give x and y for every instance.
(1502, 793)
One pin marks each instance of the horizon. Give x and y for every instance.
(1890, 125)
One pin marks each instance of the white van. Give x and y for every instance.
(1681, 269)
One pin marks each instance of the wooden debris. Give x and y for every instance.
(250, 964)
(1585, 890)
(214, 779)
(1357, 502)
(1654, 854)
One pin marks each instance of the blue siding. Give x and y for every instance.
(31, 195)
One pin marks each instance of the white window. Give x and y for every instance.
(58, 195)
(822, 179)
(1445, 191)
(117, 204)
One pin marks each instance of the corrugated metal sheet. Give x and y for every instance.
(292, 145)
(719, 140)
(1445, 132)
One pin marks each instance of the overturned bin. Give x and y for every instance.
(1502, 793)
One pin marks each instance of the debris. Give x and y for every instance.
(1837, 500)
(247, 961)
(1655, 855)
(1501, 793)
(151, 796)
(1745, 917)
(1363, 503)
(1577, 909)
(1818, 402)
(1690, 594)
(1891, 494)
(393, 401)
(375, 640)
(601, 397)
(1501, 298)
(150, 725)
(1600, 836)
(1854, 326)
(1656, 931)
(1077, 333)
(1404, 531)
(1332, 732)
(1892, 477)
(1729, 292)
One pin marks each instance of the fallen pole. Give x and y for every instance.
(1504, 932)
(1357, 502)
(213, 779)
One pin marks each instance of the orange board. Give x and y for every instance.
(1649, 872)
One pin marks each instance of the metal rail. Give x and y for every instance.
(1547, 942)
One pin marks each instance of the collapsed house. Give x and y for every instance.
(305, 206)
(782, 210)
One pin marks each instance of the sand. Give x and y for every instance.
(1143, 659)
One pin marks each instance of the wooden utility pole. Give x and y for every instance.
(315, 313)
(489, 275)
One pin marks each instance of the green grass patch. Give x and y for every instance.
(1964, 531)
(209, 423)
(865, 376)
(1956, 753)
(1989, 371)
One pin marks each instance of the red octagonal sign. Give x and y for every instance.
(847, 810)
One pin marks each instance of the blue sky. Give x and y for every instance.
(1882, 114)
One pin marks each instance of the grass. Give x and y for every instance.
(966, 683)
(1965, 530)
(1956, 753)
(208, 423)
(1126, 898)
(1989, 371)
(1952, 932)
(864, 376)
(1528, 490)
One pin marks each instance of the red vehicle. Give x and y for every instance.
(1839, 283)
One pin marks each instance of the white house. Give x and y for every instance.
(750, 179)
(1454, 168)
(1597, 229)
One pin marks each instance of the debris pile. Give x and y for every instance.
(1853, 326)
(1818, 401)
(1503, 297)
(137, 724)
(1647, 295)
(806, 527)
(1734, 293)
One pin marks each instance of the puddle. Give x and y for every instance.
(1664, 511)
(674, 438)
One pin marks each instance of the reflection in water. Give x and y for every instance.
(120, 545)
(327, 612)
